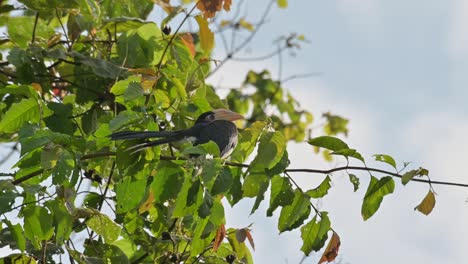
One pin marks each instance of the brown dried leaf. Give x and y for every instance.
(147, 204)
(427, 203)
(227, 5)
(249, 237)
(331, 251)
(210, 7)
(220, 235)
(187, 39)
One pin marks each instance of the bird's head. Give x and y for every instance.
(218, 114)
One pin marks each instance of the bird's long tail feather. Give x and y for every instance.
(141, 134)
(158, 142)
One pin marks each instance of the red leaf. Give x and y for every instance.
(220, 235)
(331, 251)
(249, 236)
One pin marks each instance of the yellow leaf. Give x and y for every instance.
(206, 36)
(246, 24)
(225, 23)
(427, 203)
(282, 3)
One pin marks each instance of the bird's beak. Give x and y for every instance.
(224, 114)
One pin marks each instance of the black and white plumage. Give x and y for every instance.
(215, 125)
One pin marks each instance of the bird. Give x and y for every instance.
(215, 125)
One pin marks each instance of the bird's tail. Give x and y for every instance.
(141, 134)
(148, 144)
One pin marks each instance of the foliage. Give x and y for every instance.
(75, 71)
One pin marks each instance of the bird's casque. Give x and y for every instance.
(216, 125)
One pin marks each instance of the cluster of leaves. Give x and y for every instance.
(78, 70)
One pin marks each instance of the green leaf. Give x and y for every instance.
(20, 90)
(270, 151)
(135, 8)
(282, 3)
(281, 194)
(7, 198)
(129, 193)
(247, 141)
(124, 118)
(141, 47)
(374, 195)
(355, 181)
(63, 221)
(168, 181)
(100, 67)
(348, 153)
(203, 149)
(314, 234)
(206, 36)
(37, 225)
(189, 198)
(104, 226)
(321, 190)
(223, 182)
(25, 111)
(327, 142)
(408, 176)
(386, 158)
(61, 120)
(17, 233)
(427, 204)
(293, 215)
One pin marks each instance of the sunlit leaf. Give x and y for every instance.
(321, 190)
(294, 214)
(374, 195)
(386, 158)
(327, 142)
(270, 151)
(206, 36)
(37, 224)
(18, 114)
(129, 193)
(104, 226)
(314, 233)
(281, 193)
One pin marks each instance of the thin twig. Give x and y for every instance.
(174, 35)
(300, 76)
(245, 42)
(33, 38)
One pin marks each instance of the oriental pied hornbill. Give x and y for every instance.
(215, 125)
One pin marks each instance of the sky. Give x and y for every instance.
(397, 69)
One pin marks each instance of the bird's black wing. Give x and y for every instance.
(222, 132)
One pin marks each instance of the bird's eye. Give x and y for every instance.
(210, 118)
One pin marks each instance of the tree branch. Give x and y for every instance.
(242, 165)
